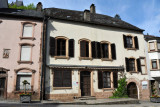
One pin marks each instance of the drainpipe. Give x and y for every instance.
(43, 68)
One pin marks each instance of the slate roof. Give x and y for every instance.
(94, 18)
(151, 37)
(21, 13)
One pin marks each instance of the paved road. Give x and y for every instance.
(143, 104)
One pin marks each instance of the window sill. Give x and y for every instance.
(22, 91)
(133, 72)
(85, 58)
(131, 48)
(30, 38)
(61, 57)
(106, 59)
(57, 88)
(154, 69)
(108, 88)
(25, 62)
(154, 51)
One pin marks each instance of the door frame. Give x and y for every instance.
(135, 87)
(91, 82)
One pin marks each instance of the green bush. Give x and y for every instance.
(28, 7)
(121, 91)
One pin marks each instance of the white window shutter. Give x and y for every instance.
(27, 30)
(25, 53)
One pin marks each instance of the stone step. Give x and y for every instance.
(87, 98)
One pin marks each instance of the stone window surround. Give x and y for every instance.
(157, 61)
(133, 44)
(27, 70)
(90, 52)
(22, 28)
(155, 46)
(67, 51)
(26, 62)
(56, 88)
(109, 51)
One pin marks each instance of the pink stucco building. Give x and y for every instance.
(20, 52)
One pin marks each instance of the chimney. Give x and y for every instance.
(92, 8)
(3, 3)
(117, 16)
(39, 6)
(86, 15)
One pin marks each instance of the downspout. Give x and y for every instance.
(42, 96)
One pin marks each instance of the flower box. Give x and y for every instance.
(155, 99)
(25, 98)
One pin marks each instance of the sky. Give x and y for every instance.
(144, 14)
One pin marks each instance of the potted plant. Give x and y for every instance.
(25, 97)
(154, 98)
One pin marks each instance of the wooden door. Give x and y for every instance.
(2, 87)
(132, 90)
(85, 83)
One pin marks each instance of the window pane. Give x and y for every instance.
(154, 64)
(58, 79)
(66, 78)
(129, 42)
(106, 80)
(84, 48)
(61, 47)
(132, 65)
(105, 50)
(27, 30)
(151, 45)
(25, 53)
(20, 79)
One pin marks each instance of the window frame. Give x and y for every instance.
(53, 74)
(26, 62)
(149, 50)
(157, 63)
(67, 48)
(33, 30)
(133, 42)
(143, 65)
(90, 52)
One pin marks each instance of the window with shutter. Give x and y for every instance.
(62, 78)
(129, 42)
(105, 50)
(61, 47)
(151, 46)
(132, 64)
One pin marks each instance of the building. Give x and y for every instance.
(153, 56)
(86, 51)
(20, 52)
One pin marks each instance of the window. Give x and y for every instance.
(133, 65)
(143, 65)
(154, 64)
(20, 79)
(105, 50)
(6, 53)
(62, 78)
(105, 78)
(158, 46)
(25, 53)
(151, 46)
(61, 47)
(130, 42)
(27, 30)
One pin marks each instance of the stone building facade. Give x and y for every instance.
(86, 52)
(20, 51)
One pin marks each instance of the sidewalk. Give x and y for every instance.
(96, 102)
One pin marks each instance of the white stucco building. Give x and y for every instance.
(86, 52)
(152, 50)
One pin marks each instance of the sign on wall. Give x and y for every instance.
(144, 85)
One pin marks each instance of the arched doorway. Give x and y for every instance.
(132, 90)
(85, 83)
